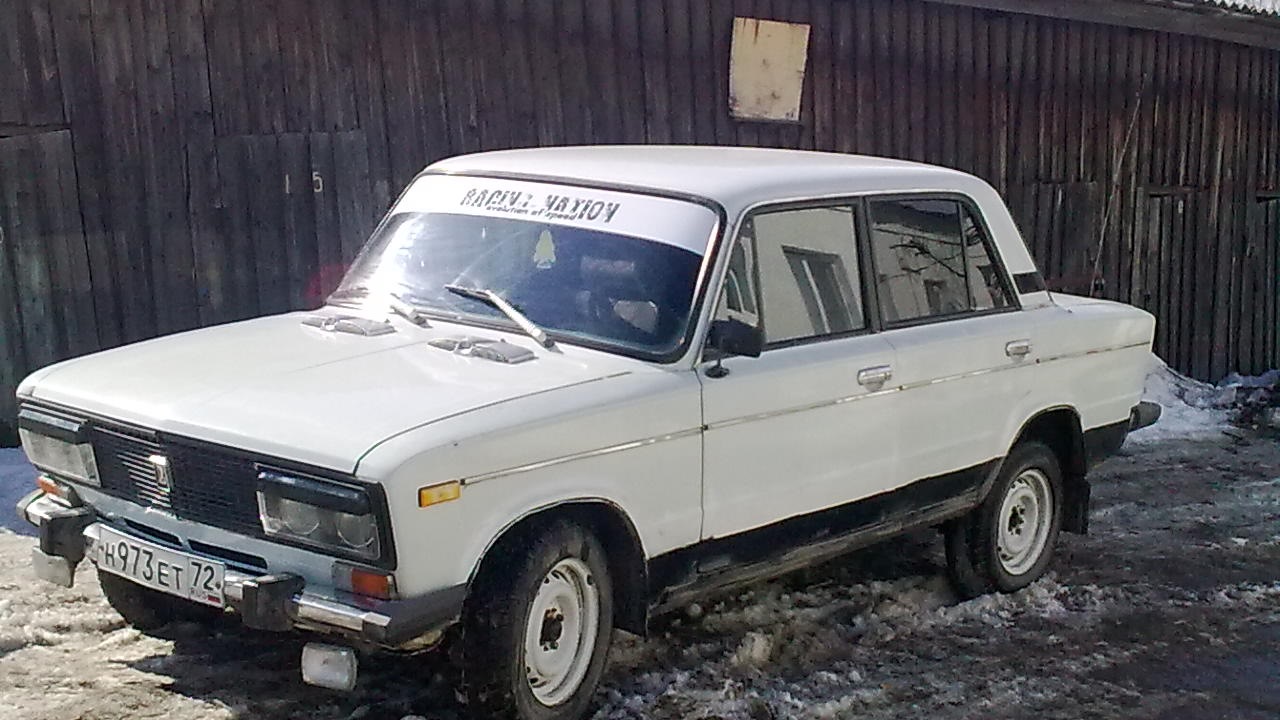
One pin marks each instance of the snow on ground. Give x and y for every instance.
(1170, 608)
(1191, 409)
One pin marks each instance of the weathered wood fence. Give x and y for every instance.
(176, 163)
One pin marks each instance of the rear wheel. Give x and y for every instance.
(538, 627)
(149, 610)
(1007, 542)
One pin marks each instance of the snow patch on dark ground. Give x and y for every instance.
(1169, 609)
(1191, 409)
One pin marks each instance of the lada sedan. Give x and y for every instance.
(562, 390)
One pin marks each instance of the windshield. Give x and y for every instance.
(603, 267)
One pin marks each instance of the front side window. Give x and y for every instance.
(932, 259)
(738, 298)
(607, 268)
(987, 285)
(807, 264)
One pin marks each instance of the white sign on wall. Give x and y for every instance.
(766, 69)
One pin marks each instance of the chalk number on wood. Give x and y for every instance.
(317, 183)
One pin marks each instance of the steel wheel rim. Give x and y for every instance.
(560, 632)
(1026, 516)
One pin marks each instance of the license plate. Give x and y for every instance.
(170, 571)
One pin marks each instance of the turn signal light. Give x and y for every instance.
(371, 584)
(50, 486)
(436, 494)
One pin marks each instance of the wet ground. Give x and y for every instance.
(1169, 609)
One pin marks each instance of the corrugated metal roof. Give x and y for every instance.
(1259, 7)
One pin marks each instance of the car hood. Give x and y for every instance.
(284, 389)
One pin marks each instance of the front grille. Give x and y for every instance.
(205, 485)
(126, 470)
(215, 488)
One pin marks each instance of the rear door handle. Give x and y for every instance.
(877, 375)
(1017, 348)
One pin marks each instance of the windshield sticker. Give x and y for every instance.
(672, 222)
(544, 253)
(554, 206)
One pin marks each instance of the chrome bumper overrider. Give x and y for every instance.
(275, 602)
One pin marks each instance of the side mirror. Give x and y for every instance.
(734, 337)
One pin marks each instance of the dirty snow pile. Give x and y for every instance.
(1257, 397)
(808, 650)
(1192, 409)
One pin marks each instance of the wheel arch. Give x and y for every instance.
(1059, 428)
(617, 533)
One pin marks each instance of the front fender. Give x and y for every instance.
(635, 445)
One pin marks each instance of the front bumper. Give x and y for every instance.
(267, 602)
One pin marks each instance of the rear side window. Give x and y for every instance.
(932, 259)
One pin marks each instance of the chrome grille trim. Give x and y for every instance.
(125, 469)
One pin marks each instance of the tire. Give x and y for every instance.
(150, 610)
(529, 650)
(1007, 542)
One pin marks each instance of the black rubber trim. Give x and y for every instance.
(399, 621)
(54, 425)
(1144, 414)
(62, 533)
(760, 545)
(1029, 282)
(265, 602)
(1104, 441)
(320, 493)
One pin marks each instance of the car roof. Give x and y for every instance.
(735, 177)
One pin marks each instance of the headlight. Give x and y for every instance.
(58, 446)
(319, 513)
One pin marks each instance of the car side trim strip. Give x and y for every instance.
(1095, 351)
(719, 563)
(800, 408)
(607, 450)
(909, 386)
(689, 432)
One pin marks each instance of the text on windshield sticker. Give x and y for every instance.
(554, 206)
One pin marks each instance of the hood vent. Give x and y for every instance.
(349, 324)
(495, 350)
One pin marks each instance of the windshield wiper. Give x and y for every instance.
(408, 311)
(495, 300)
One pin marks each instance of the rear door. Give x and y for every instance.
(963, 348)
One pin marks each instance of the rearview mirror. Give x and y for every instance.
(734, 337)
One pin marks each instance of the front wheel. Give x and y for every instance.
(1006, 543)
(538, 627)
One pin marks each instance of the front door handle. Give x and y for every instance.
(1017, 348)
(877, 375)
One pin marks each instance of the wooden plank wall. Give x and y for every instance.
(224, 158)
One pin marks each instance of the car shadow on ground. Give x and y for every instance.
(256, 674)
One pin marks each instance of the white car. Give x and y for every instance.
(562, 390)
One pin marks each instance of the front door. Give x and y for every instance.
(806, 427)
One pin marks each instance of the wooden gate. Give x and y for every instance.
(46, 306)
(1165, 274)
(1264, 277)
(293, 210)
(1062, 224)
